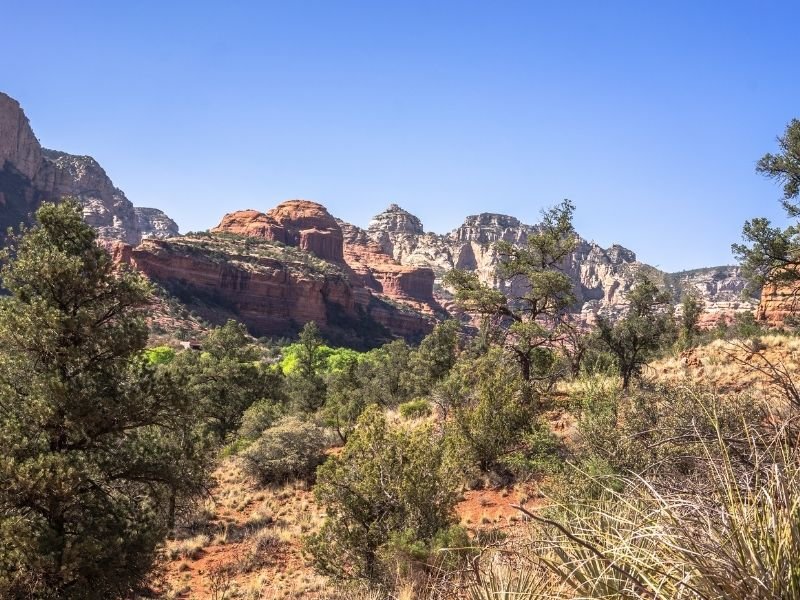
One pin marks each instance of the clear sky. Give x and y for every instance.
(648, 115)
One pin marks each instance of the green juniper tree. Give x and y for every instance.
(390, 486)
(771, 255)
(532, 314)
(91, 435)
(306, 384)
(226, 378)
(692, 306)
(644, 329)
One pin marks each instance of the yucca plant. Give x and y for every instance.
(503, 575)
(731, 531)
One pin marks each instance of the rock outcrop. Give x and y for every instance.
(780, 303)
(272, 288)
(309, 226)
(602, 277)
(722, 290)
(154, 223)
(301, 223)
(381, 273)
(30, 174)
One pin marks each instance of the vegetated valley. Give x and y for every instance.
(289, 406)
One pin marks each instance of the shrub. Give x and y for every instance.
(258, 418)
(291, 449)
(159, 355)
(415, 409)
(489, 413)
(391, 484)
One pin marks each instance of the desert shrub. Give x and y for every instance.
(653, 433)
(538, 452)
(415, 409)
(259, 417)
(291, 449)
(159, 355)
(488, 412)
(390, 482)
(405, 555)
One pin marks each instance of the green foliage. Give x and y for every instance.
(415, 409)
(537, 295)
(290, 449)
(159, 355)
(729, 530)
(691, 308)
(390, 482)
(656, 432)
(227, 378)
(435, 356)
(488, 414)
(345, 397)
(305, 384)
(404, 553)
(772, 254)
(95, 441)
(537, 453)
(745, 326)
(258, 417)
(646, 328)
(385, 375)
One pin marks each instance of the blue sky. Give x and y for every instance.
(649, 116)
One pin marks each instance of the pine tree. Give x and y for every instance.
(532, 315)
(88, 430)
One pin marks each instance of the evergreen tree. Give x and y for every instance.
(389, 484)
(532, 312)
(306, 383)
(226, 378)
(435, 356)
(691, 308)
(88, 430)
(771, 255)
(645, 328)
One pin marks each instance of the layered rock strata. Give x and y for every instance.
(308, 225)
(30, 175)
(602, 277)
(272, 288)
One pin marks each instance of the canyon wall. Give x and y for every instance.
(30, 175)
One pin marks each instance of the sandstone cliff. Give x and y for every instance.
(30, 174)
(271, 287)
(601, 276)
(310, 227)
(780, 304)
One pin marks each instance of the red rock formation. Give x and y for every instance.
(778, 302)
(380, 272)
(309, 226)
(271, 296)
(301, 223)
(251, 223)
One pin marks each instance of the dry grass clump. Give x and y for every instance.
(189, 548)
(734, 365)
